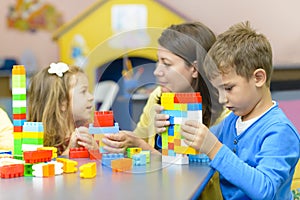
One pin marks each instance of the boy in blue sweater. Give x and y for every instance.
(256, 148)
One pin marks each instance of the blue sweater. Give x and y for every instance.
(260, 162)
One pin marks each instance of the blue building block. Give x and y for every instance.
(108, 157)
(103, 130)
(33, 127)
(139, 159)
(19, 122)
(171, 130)
(175, 113)
(194, 106)
(200, 158)
(171, 120)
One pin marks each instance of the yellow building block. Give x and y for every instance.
(69, 166)
(185, 150)
(88, 170)
(171, 139)
(39, 135)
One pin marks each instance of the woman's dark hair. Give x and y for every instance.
(191, 41)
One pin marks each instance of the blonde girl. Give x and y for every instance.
(59, 97)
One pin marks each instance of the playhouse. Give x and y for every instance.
(111, 30)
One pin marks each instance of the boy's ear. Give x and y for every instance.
(260, 77)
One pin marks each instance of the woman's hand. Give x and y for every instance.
(161, 120)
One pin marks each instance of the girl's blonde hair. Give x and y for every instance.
(50, 102)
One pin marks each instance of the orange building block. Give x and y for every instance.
(121, 165)
(48, 170)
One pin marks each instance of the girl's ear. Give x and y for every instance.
(63, 106)
(195, 70)
(260, 77)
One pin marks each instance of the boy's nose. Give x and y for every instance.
(222, 98)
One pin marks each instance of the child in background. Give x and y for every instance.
(59, 97)
(256, 148)
(6, 132)
(181, 52)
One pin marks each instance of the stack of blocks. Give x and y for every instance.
(180, 107)
(103, 123)
(19, 105)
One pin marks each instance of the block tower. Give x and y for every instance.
(103, 123)
(180, 107)
(18, 105)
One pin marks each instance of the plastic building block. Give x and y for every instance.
(10, 161)
(37, 156)
(103, 118)
(148, 155)
(30, 147)
(33, 127)
(58, 167)
(103, 130)
(88, 170)
(139, 159)
(188, 97)
(200, 158)
(53, 149)
(132, 151)
(69, 166)
(80, 152)
(95, 154)
(121, 165)
(177, 159)
(108, 157)
(28, 169)
(18, 69)
(12, 171)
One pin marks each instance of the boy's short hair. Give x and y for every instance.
(240, 48)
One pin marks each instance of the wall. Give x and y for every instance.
(279, 20)
(14, 42)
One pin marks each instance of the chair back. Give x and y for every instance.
(105, 93)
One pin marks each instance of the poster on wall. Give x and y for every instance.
(128, 23)
(33, 15)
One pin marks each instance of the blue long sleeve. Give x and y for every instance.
(259, 163)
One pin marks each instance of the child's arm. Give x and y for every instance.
(118, 143)
(81, 137)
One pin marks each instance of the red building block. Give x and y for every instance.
(12, 171)
(194, 97)
(103, 118)
(37, 156)
(95, 154)
(80, 152)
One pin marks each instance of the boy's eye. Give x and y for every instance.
(228, 88)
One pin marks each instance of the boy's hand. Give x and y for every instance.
(198, 136)
(161, 120)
